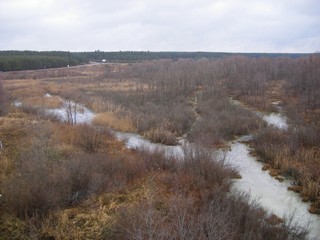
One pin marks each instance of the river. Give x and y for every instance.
(271, 194)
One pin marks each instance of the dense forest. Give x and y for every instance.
(30, 60)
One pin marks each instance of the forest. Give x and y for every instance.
(30, 60)
(62, 179)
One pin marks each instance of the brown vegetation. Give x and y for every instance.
(104, 195)
(110, 119)
(294, 153)
(77, 181)
(221, 121)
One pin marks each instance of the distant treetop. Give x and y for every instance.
(30, 60)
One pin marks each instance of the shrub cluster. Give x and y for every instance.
(199, 207)
(221, 121)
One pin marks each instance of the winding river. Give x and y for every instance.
(267, 191)
(271, 194)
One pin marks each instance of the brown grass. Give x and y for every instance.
(114, 85)
(46, 102)
(110, 119)
(289, 154)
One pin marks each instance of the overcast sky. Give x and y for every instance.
(161, 25)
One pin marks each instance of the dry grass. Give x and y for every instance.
(14, 133)
(310, 189)
(92, 219)
(83, 222)
(114, 85)
(110, 119)
(289, 154)
(42, 101)
(6, 166)
(76, 223)
(22, 89)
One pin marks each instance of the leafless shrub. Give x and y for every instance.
(182, 213)
(303, 82)
(142, 221)
(36, 186)
(92, 139)
(157, 160)
(250, 222)
(198, 206)
(221, 121)
(203, 164)
(42, 182)
(221, 218)
(71, 112)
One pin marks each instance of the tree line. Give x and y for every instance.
(30, 60)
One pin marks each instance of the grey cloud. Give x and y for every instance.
(191, 25)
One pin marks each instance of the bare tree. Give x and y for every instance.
(72, 109)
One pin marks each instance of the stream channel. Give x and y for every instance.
(271, 194)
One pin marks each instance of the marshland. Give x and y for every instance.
(162, 149)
